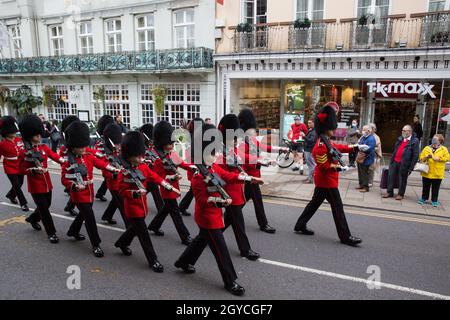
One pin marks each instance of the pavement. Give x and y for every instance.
(407, 255)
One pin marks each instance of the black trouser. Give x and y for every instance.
(102, 190)
(70, 205)
(394, 171)
(363, 176)
(137, 227)
(235, 218)
(187, 199)
(16, 190)
(333, 197)
(252, 191)
(87, 216)
(115, 203)
(434, 184)
(43, 202)
(170, 207)
(216, 242)
(55, 145)
(154, 190)
(352, 158)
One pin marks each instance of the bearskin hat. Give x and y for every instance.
(8, 125)
(325, 119)
(103, 123)
(114, 133)
(147, 131)
(208, 140)
(67, 121)
(228, 122)
(77, 135)
(247, 119)
(133, 145)
(191, 126)
(30, 126)
(162, 134)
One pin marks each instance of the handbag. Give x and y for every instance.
(360, 157)
(422, 167)
(385, 179)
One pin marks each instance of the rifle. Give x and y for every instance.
(235, 163)
(151, 156)
(115, 161)
(335, 154)
(168, 163)
(33, 156)
(135, 175)
(213, 182)
(78, 171)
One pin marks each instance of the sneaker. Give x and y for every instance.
(421, 201)
(435, 204)
(295, 168)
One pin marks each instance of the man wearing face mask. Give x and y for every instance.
(404, 157)
(365, 159)
(353, 135)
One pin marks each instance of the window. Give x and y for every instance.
(114, 35)
(438, 5)
(56, 40)
(146, 32)
(184, 28)
(16, 39)
(311, 9)
(255, 11)
(117, 101)
(86, 38)
(379, 8)
(63, 106)
(182, 102)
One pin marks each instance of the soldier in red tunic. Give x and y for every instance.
(132, 185)
(33, 162)
(102, 123)
(77, 176)
(326, 176)
(10, 147)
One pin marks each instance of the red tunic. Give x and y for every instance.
(234, 189)
(137, 208)
(297, 130)
(207, 215)
(324, 175)
(62, 151)
(38, 183)
(250, 154)
(163, 173)
(86, 195)
(10, 150)
(112, 180)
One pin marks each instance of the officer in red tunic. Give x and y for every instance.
(10, 147)
(253, 163)
(102, 123)
(230, 162)
(132, 185)
(167, 168)
(33, 162)
(77, 176)
(326, 177)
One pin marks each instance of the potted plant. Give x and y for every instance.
(159, 97)
(244, 27)
(302, 23)
(48, 97)
(99, 95)
(4, 95)
(364, 19)
(23, 100)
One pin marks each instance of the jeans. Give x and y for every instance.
(311, 165)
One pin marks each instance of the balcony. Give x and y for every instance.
(156, 61)
(425, 30)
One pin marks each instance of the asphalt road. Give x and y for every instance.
(410, 252)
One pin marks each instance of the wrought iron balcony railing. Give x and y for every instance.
(158, 60)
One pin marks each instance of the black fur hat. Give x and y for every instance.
(8, 125)
(103, 123)
(247, 119)
(147, 131)
(77, 135)
(30, 126)
(325, 119)
(133, 145)
(114, 133)
(67, 121)
(162, 134)
(191, 126)
(228, 122)
(208, 141)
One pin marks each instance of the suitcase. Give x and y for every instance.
(385, 177)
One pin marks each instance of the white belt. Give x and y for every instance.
(11, 159)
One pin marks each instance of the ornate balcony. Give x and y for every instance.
(158, 60)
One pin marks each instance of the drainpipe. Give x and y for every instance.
(440, 105)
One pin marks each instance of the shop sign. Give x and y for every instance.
(400, 89)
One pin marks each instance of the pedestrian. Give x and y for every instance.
(310, 141)
(365, 159)
(33, 163)
(417, 128)
(353, 135)
(403, 159)
(77, 177)
(119, 122)
(208, 121)
(435, 155)
(326, 177)
(55, 135)
(10, 147)
(375, 167)
(297, 136)
(103, 122)
(45, 130)
(132, 185)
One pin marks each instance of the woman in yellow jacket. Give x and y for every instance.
(436, 155)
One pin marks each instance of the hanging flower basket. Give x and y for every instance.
(159, 97)
(48, 97)
(99, 95)
(244, 27)
(365, 19)
(302, 23)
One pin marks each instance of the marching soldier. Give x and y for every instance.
(33, 162)
(230, 162)
(210, 197)
(167, 168)
(134, 192)
(103, 122)
(10, 147)
(326, 176)
(253, 163)
(77, 176)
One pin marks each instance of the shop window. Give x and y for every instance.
(116, 102)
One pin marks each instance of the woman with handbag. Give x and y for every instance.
(365, 159)
(435, 156)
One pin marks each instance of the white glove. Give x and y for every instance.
(363, 147)
(343, 169)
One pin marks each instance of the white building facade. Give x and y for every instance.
(123, 47)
